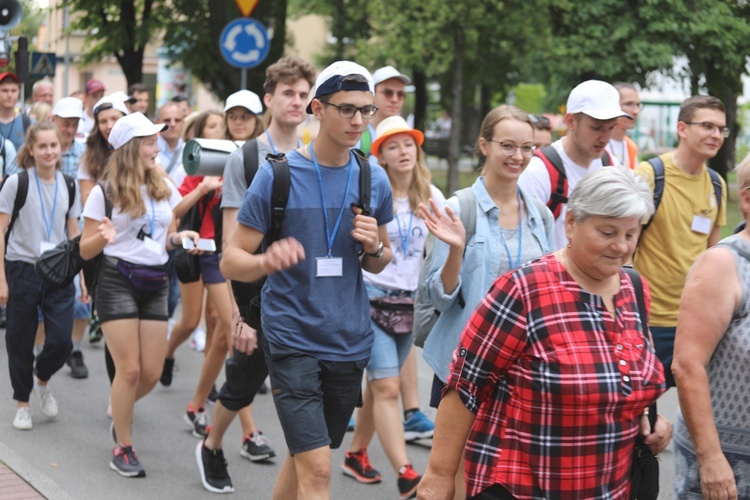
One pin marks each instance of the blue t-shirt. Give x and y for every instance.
(13, 131)
(328, 318)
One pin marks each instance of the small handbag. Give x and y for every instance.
(146, 279)
(58, 266)
(395, 315)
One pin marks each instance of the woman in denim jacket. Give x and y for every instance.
(511, 229)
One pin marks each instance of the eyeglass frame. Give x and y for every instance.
(360, 109)
(631, 105)
(389, 93)
(724, 131)
(515, 148)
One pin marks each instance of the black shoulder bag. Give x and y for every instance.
(644, 474)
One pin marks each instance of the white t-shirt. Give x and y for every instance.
(409, 232)
(619, 151)
(85, 126)
(127, 245)
(535, 182)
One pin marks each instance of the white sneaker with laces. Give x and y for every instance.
(22, 422)
(49, 404)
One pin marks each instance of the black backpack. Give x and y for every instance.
(247, 294)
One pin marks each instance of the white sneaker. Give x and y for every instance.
(22, 422)
(198, 340)
(49, 405)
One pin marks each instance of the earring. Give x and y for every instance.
(569, 245)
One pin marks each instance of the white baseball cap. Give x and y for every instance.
(112, 101)
(333, 79)
(388, 72)
(122, 96)
(597, 99)
(133, 125)
(244, 99)
(68, 107)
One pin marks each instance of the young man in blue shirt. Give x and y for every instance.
(314, 308)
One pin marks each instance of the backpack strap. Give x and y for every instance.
(71, 183)
(282, 182)
(25, 121)
(716, 181)
(365, 182)
(467, 202)
(557, 178)
(3, 155)
(657, 164)
(250, 160)
(20, 201)
(607, 159)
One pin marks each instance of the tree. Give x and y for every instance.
(119, 28)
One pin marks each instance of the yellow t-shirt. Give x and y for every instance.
(669, 246)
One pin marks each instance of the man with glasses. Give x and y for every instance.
(688, 218)
(620, 145)
(593, 108)
(390, 92)
(315, 310)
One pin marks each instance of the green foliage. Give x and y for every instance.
(530, 97)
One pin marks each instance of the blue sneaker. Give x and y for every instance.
(418, 427)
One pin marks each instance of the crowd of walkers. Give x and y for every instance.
(545, 368)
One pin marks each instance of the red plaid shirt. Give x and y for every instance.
(557, 386)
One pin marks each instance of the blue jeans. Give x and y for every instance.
(26, 293)
(664, 347)
(389, 351)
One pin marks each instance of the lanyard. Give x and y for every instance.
(520, 236)
(330, 237)
(273, 147)
(47, 224)
(404, 238)
(152, 219)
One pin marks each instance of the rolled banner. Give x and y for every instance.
(207, 156)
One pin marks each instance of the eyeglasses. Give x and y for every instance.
(509, 149)
(349, 110)
(632, 105)
(710, 127)
(389, 93)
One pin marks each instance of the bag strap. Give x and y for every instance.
(658, 167)
(716, 181)
(467, 202)
(558, 180)
(635, 278)
(282, 182)
(250, 160)
(175, 156)
(19, 202)
(365, 182)
(71, 183)
(25, 121)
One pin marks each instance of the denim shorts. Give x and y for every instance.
(389, 351)
(117, 298)
(209, 264)
(314, 398)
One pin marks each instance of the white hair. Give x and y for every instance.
(615, 192)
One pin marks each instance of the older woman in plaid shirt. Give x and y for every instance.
(553, 371)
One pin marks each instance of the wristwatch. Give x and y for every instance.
(379, 253)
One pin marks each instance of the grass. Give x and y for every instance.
(734, 217)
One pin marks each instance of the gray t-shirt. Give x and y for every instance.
(30, 229)
(233, 190)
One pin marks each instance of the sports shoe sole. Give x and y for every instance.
(199, 459)
(256, 458)
(348, 471)
(141, 473)
(413, 435)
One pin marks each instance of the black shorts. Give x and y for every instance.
(245, 374)
(117, 298)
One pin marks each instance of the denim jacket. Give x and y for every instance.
(479, 269)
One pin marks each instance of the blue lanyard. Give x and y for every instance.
(273, 148)
(47, 224)
(520, 236)
(404, 238)
(330, 237)
(152, 219)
